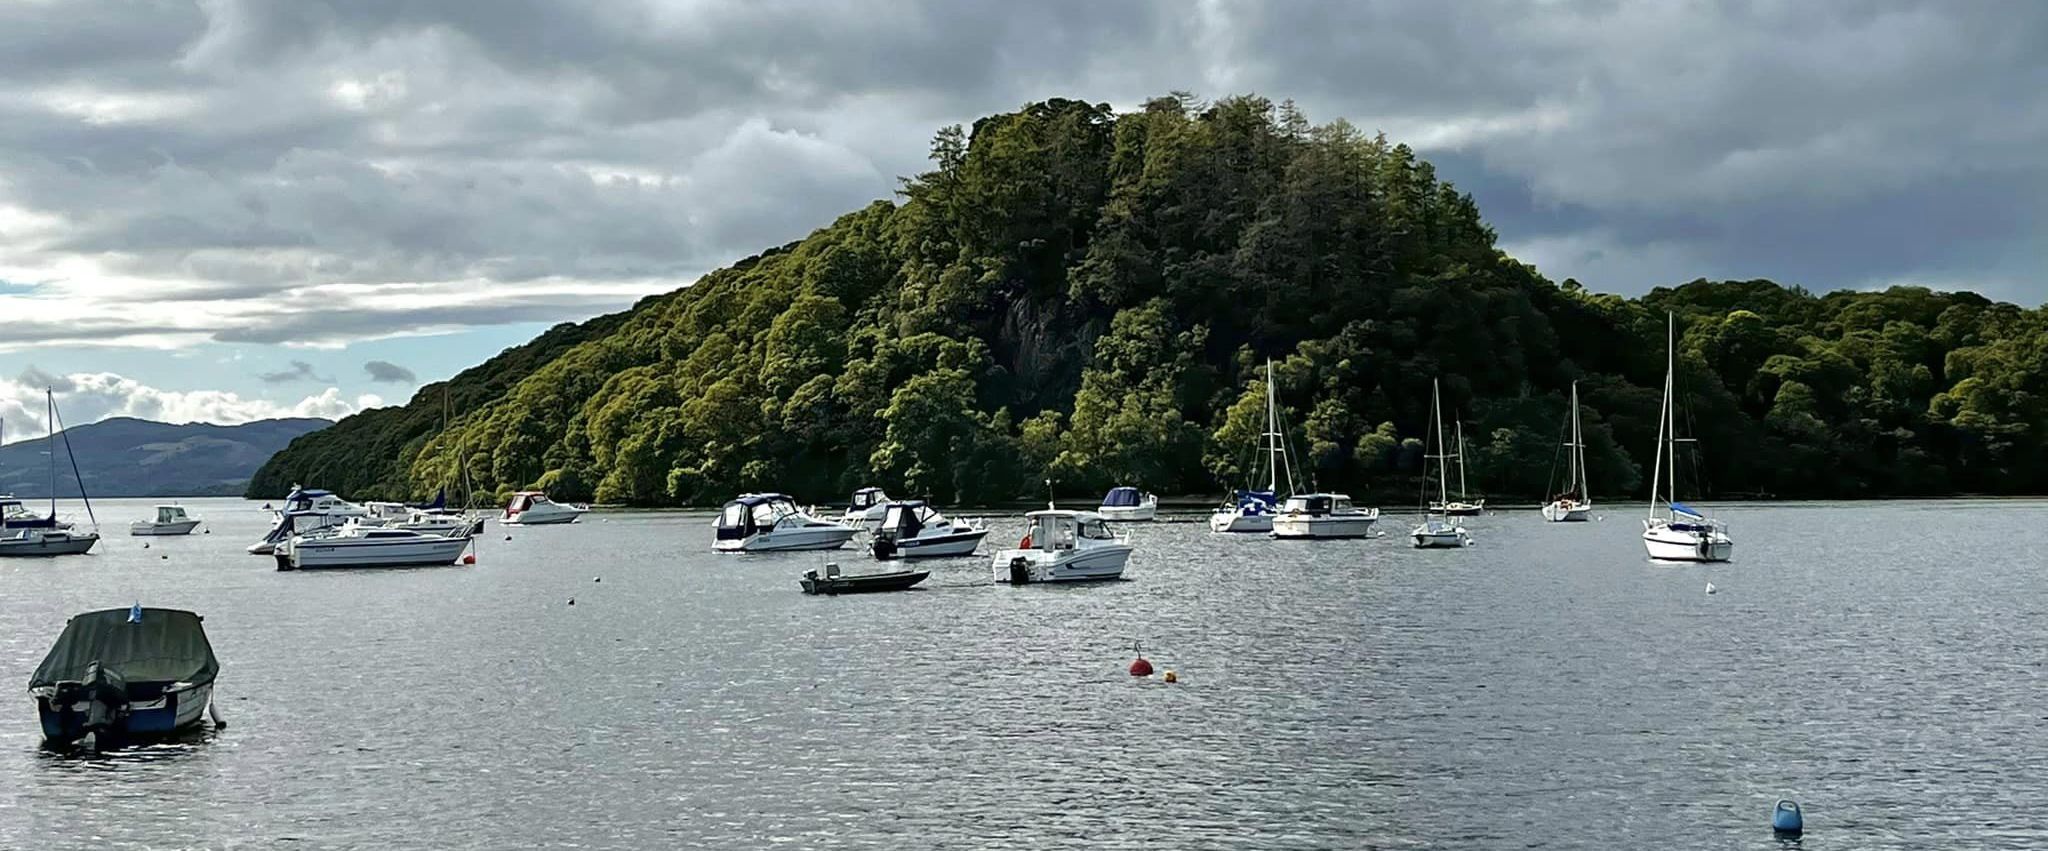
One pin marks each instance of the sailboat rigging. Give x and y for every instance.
(1679, 533)
(1438, 529)
(1575, 503)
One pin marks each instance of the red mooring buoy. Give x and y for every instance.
(1140, 667)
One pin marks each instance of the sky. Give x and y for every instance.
(232, 209)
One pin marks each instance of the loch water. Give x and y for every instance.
(1546, 687)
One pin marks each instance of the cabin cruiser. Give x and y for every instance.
(1063, 546)
(912, 529)
(866, 510)
(1128, 504)
(771, 522)
(14, 514)
(121, 675)
(306, 511)
(358, 544)
(429, 520)
(1323, 515)
(533, 508)
(170, 520)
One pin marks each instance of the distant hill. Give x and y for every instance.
(124, 456)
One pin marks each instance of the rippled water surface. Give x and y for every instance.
(1546, 687)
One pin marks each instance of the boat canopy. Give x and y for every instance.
(1121, 498)
(752, 513)
(1243, 498)
(908, 518)
(1058, 530)
(137, 644)
(869, 498)
(1687, 510)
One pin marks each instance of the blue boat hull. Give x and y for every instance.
(151, 713)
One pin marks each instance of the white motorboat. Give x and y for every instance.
(1439, 527)
(362, 545)
(1323, 515)
(306, 510)
(771, 522)
(170, 520)
(1125, 504)
(23, 533)
(866, 510)
(1679, 533)
(1253, 510)
(912, 529)
(430, 520)
(533, 508)
(1063, 546)
(1575, 504)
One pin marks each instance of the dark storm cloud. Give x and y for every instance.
(242, 158)
(300, 371)
(390, 373)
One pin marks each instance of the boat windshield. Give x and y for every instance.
(1096, 530)
(1341, 505)
(766, 513)
(1121, 498)
(169, 515)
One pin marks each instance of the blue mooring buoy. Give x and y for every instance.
(1785, 817)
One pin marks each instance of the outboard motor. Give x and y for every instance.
(105, 695)
(884, 547)
(1020, 570)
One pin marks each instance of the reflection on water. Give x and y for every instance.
(1546, 686)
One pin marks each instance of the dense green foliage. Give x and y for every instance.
(1090, 297)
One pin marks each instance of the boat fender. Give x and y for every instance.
(1024, 543)
(469, 558)
(1786, 818)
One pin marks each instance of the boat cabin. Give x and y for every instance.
(15, 515)
(524, 500)
(302, 499)
(1318, 504)
(1123, 497)
(396, 511)
(1063, 530)
(169, 514)
(867, 498)
(752, 514)
(908, 519)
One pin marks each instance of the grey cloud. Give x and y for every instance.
(300, 371)
(34, 377)
(250, 152)
(388, 372)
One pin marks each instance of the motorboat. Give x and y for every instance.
(430, 520)
(912, 529)
(1063, 546)
(772, 522)
(363, 545)
(1575, 503)
(1675, 531)
(1253, 510)
(533, 508)
(1323, 515)
(24, 533)
(306, 511)
(170, 520)
(125, 675)
(865, 510)
(833, 582)
(1439, 527)
(1126, 504)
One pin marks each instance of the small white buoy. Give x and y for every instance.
(145, 545)
(1710, 587)
(597, 579)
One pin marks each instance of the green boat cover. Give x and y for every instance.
(163, 646)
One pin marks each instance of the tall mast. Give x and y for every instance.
(1572, 443)
(1436, 407)
(1657, 470)
(1670, 399)
(50, 411)
(1461, 460)
(1273, 450)
(1579, 450)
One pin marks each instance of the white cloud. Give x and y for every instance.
(93, 396)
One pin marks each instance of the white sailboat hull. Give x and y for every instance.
(1104, 561)
(1232, 521)
(1668, 544)
(1306, 526)
(1558, 512)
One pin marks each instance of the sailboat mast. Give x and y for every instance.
(1436, 405)
(1670, 397)
(1579, 449)
(1461, 460)
(1273, 451)
(50, 411)
(1657, 469)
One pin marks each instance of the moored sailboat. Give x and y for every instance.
(1438, 529)
(48, 536)
(1679, 533)
(1251, 510)
(1575, 503)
